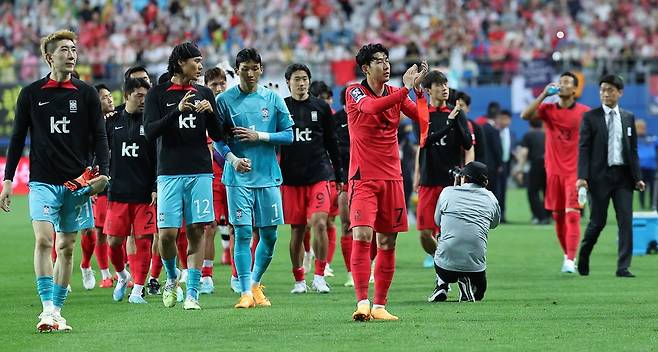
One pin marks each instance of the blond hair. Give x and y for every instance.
(48, 41)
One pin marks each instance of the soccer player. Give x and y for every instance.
(448, 138)
(307, 174)
(477, 151)
(377, 204)
(215, 79)
(63, 116)
(131, 196)
(177, 114)
(259, 121)
(562, 125)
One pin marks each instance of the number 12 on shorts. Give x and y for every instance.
(202, 204)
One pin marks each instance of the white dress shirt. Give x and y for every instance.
(615, 136)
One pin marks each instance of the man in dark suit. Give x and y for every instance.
(608, 166)
(493, 151)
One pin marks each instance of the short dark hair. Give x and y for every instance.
(366, 53)
(464, 97)
(181, 52)
(213, 73)
(292, 68)
(164, 77)
(434, 76)
(343, 100)
(572, 75)
(132, 84)
(100, 86)
(134, 69)
(613, 80)
(317, 88)
(505, 112)
(493, 109)
(247, 54)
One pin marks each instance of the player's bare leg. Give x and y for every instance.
(428, 242)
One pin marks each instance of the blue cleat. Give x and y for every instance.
(120, 289)
(137, 299)
(235, 285)
(428, 262)
(207, 286)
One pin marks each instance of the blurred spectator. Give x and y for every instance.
(646, 150)
(507, 141)
(530, 156)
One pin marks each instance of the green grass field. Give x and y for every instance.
(529, 305)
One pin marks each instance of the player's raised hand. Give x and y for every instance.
(5, 196)
(409, 77)
(203, 106)
(455, 111)
(420, 76)
(244, 134)
(185, 104)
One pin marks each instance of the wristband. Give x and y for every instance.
(263, 136)
(231, 158)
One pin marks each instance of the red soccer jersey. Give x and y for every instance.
(217, 171)
(562, 128)
(373, 125)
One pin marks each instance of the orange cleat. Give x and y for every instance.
(107, 283)
(259, 296)
(362, 313)
(246, 301)
(382, 314)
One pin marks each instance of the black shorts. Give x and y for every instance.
(472, 285)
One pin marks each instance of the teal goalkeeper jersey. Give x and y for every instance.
(261, 111)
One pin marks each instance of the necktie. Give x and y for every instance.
(611, 137)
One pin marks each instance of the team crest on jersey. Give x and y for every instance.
(238, 214)
(161, 217)
(141, 130)
(314, 116)
(46, 210)
(73, 105)
(265, 113)
(357, 94)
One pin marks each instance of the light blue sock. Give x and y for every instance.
(59, 295)
(45, 289)
(264, 252)
(192, 284)
(170, 268)
(242, 255)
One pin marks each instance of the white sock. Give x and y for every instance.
(207, 263)
(123, 275)
(47, 306)
(318, 277)
(254, 283)
(226, 244)
(106, 273)
(137, 290)
(57, 310)
(377, 306)
(363, 301)
(247, 293)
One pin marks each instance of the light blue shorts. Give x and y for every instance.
(59, 206)
(260, 207)
(188, 196)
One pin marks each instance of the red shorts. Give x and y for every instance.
(300, 202)
(378, 204)
(333, 196)
(122, 217)
(561, 192)
(100, 210)
(220, 204)
(428, 196)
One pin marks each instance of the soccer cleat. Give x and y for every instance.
(320, 285)
(308, 261)
(183, 276)
(569, 266)
(46, 322)
(60, 323)
(207, 286)
(350, 280)
(136, 299)
(120, 289)
(300, 287)
(191, 304)
(328, 271)
(439, 294)
(69, 289)
(246, 301)
(107, 283)
(382, 314)
(235, 285)
(428, 262)
(259, 296)
(362, 312)
(180, 295)
(88, 278)
(226, 257)
(153, 287)
(169, 294)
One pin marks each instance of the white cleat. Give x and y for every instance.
(206, 286)
(180, 295)
(308, 261)
(120, 289)
(182, 279)
(235, 285)
(191, 304)
(88, 278)
(569, 266)
(328, 271)
(320, 285)
(46, 322)
(300, 287)
(350, 280)
(60, 323)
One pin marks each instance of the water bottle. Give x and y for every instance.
(552, 90)
(582, 196)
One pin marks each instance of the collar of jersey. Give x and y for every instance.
(557, 105)
(444, 108)
(365, 84)
(54, 84)
(175, 86)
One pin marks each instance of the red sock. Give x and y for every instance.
(156, 265)
(373, 247)
(101, 251)
(346, 248)
(87, 242)
(181, 243)
(298, 273)
(307, 241)
(141, 259)
(384, 270)
(361, 268)
(117, 258)
(561, 229)
(319, 266)
(572, 233)
(206, 271)
(53, 252)
(331, 235)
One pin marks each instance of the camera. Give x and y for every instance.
(455, 172)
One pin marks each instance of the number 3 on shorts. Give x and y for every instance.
(203, 203)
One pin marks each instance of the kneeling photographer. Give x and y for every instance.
(465, 213)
